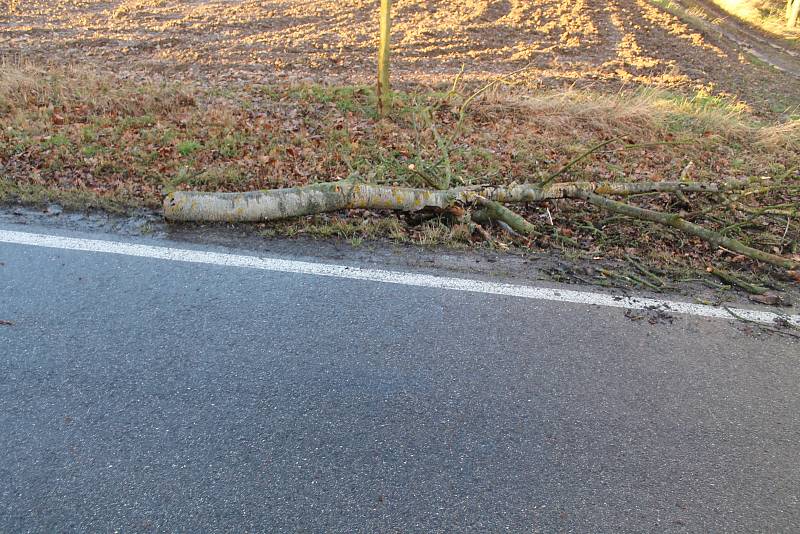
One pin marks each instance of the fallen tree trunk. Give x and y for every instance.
(276, 204)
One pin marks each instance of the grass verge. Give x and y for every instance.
(87, 138)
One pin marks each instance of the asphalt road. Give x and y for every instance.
(145, 395)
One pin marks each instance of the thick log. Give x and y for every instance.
(275, 204)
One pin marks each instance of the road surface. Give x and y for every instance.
(140, 394)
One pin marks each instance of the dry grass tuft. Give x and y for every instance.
(638, 116)
(781, 137)
(573, 110)
(24, 86)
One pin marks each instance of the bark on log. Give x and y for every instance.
(494, 211)
(275, 204)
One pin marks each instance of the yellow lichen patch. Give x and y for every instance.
(602, 189)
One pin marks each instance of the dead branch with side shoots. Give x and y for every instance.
(275, 204)
(677, 222)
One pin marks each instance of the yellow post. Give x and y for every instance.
(792, 13)
(384, 90)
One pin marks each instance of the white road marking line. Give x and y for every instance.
(388, 277)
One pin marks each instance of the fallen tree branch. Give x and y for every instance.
(275, 204)
(642, 269)
(494, 211)
(630, 278)
(675, 221)
(760, 325)
(736, 281)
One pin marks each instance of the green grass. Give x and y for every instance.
(187, 148)
(57, 140)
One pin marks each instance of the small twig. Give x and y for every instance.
(463, 110)
(736, 281)
(564, 239)
(631, 278)
(647, 145)
(760, 325)
(453, 90)
(682, 197)
(767, 188)
(675, 221)
(641, 268)
(644, 282)
(427, 178)
(575, 161)
(504, 79)
(785, 232)
(789, 172)
(739, 225)
(445, 150)
(591, 228)
(724, 201)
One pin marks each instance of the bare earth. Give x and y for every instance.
(584, 42)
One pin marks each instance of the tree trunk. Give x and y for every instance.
(792, 12)
(275, 204)
(384, 90)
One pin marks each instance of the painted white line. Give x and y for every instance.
(388, 277)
